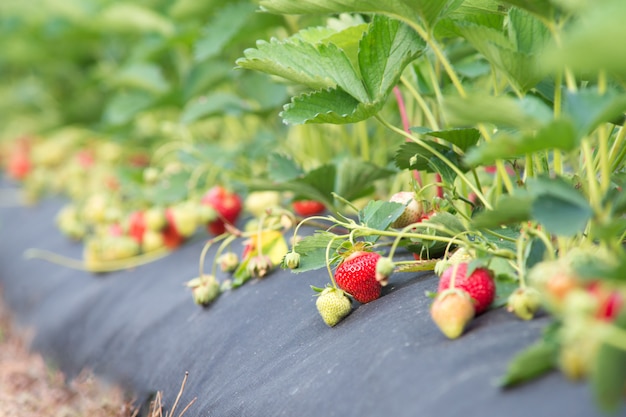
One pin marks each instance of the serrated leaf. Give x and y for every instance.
(529, 33)
(380, 214)
(283, 168)
(409, 10)
(316, 66)
(531, 363)
(312, 250)
(222, 28)
(212, 104)
(384, 51)
(355, 177)
(559, 134)
(328, 106)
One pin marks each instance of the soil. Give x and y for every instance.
(31, 387)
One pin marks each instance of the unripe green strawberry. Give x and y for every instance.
(258, 202)
(292, 260)
(333, 305)
(228, 261)
(204, 289)
(524, 302)
(356, 275)
(154, 218)
(384, 269)
(462, 254)
(69, 223)
(413, 209)
(183, 218)
(451, 311)
(259, 266)
(479, 285)
(152, 240)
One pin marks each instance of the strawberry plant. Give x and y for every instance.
(514, 137)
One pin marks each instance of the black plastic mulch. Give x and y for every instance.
(263, 350)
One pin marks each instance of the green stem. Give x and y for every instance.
(439, 155)
(432, 121)
(616, 148)
(594, 191)
(206, 247)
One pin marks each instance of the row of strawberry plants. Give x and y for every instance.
(505, 135)
(511, 88)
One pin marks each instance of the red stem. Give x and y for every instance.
(407, 128)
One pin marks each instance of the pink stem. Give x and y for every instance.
(407, 128)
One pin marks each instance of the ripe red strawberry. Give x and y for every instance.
(413, 209)
(137, 225)
(171, 236)
(227, 204)
(19, 163)
(333, 305)
(451, 311)
(306, 208)
(480, 285)
(357, 276)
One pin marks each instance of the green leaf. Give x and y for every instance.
(133, 18)
(529, 33)
(409, 10)
(535, 252)
(123, 107)
(144, 76)
(505, 284)
(519, 66)
(222, 28)
(609, 377)
(531, 363)
(510, 209)
(540, 8)
(210, 105)
(355, 178)
(282, 168)
(448, 220)
(461, 138)
(413, 156)
(312, 250)
(321, 179)
(205, 76)
(592, 42)
(559, 134)
(558, 206)
(379, 214)
(328, 106)
(384, 51)
(316, 66)
(526, 113)
(588, 108)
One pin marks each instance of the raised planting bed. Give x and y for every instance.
(262, 349)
